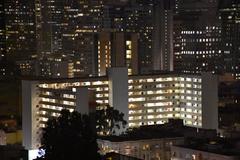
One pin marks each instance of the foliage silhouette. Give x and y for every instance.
(69, 137)
(109, 120)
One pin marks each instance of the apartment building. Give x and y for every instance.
(144, 99)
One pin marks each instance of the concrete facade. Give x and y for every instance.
(144, 99)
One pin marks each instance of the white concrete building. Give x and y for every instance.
(147, 149)
(144, 99)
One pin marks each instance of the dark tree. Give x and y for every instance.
(69, 137)
(109, 120)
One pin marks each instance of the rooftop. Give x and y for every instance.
(222, 146)
(173, 129)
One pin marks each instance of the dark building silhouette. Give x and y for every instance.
(229, 11)
(197, 35)
(2, 31)
(20, 28)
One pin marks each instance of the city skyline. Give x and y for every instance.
(156, 62)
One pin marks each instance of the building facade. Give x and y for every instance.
(229, 12)
(152, 19)
(20, 29)
(2, 31)
(66, 29)
(117, 50)
(147, 149)
(197, 37)
(188, 153)
(144, 100)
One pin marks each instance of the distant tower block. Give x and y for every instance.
(117, 50)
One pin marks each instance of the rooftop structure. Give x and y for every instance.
(151, 142)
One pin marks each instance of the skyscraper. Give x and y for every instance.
(117, 49)
(162, 38)
(114, 17)
(139, 19)
(197, 35)
(20, 28)
(66, 29)
(2, 31)
(152, 20)
(49, 24)
(229, 15)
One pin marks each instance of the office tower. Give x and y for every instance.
(7, 68)
(144, 99)
(162, 38)
(229, 15)
(117, 49)
(49, 26)
(28, 67)
(139, 19)
(49, 34)
(20, 28)
(47, 68)
(197, 35)
(81, 53)
(67, 28)
(104, 53)
(114, 17)
(152, 20)
(2, 31)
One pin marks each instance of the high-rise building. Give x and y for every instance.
(2, 31)
(20, 28)
(152, 20)
(80, 49)
(139, 19)
(49, 26)
(197, 35)
(144, 99)
(114, 16)
(66, 29)
(229, 15)
(162, 38)
(117, 49)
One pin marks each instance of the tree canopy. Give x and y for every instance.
(72, 136)
(109, 121)
(69, 137)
